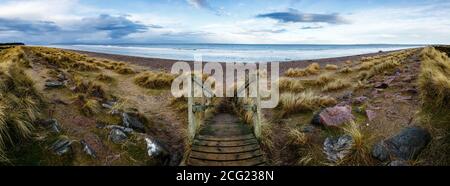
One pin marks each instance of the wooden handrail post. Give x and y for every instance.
(257, 118)
(192, 126)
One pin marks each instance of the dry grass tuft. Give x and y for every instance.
(331, 67)
(124, 70)
(267, 135)
(363, 75)
(366, 65)
(91, 107)
(346, 70)
(104, 78)
(434, 81)
(360, 155)
(323, 79)
(154, 80)
(381, 67)
(312, 69)
(290, 85)
(15, 55)
(90, 88)
(291, 103)
(20, 106)
(83, 66)
(296, 137)
(336, 85)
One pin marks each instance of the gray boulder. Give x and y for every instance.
(337, 149)
(406, 145)
(61, 146)
(117, 136)
(131, 121)
(123, 129)
(88, 149)
(157, 151)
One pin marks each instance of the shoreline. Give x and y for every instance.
(166, 64)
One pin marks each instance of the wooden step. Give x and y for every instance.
(228, 138)
(225, 157)
(224, 127)
(246, 162)
(225, 150)
(225, 143)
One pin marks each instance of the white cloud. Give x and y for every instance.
(418, 24)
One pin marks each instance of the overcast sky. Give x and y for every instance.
(225, 21)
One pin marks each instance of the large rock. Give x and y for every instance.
(337, 149)
(333, 116)
(117, 136)
(130, 120)
(406, 145)
(157, 151)
(123, 129)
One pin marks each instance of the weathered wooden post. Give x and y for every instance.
(192, 126)
(257, 117)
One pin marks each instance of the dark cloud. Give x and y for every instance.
(295, 16)
(27, 26)
(116, 26)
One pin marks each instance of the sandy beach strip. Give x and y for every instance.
(166, 64)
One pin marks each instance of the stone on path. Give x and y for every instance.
(334, 116)
(337, 149)
(406, 145)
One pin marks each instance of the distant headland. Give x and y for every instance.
(11, 44)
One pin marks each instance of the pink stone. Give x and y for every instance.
(336, 116)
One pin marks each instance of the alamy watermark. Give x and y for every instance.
(237, 79)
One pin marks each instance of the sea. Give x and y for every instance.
(236, 52)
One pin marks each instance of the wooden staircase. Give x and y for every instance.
(224, 141)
